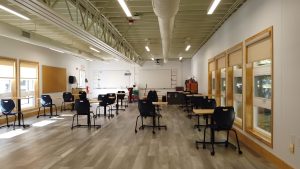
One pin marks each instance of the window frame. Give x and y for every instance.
(37, 84)
(15, 83)
(261, 37)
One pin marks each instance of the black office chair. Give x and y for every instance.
(103, 102)
(152, 96)
(146, 109)
(111, 102)
(199, 102)
(46, 101)
(82, 95)
(121, 97)
(82, 108)
(223, 118)
(68, 98)
(7, 107)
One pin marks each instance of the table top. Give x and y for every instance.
(203, 111)
(160, 103)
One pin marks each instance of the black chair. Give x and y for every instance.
(82, 108)
(111, 102)
(222, 120)
(146, 109)
(200, 102)
(82, 95)
(46, 101)
(152, 96)
(7, 106)
(68, 98)
(103, 102)
(121, 96)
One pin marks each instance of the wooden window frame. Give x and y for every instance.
(37, 85)
(248, 90)
(15, 85)
(210, 69)
(218, 76)
(230, 80)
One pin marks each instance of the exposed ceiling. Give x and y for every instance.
(192, 25)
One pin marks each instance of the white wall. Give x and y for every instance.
(183, 71)
(253, 17)
(20, 50)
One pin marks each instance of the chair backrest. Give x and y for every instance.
(152, 96)
(121, 95)
(82, 95)
(224, 117)
(103, 98)
(198, 101)
(46, 100)
(68, 97)
(82, 107)
(146, 108)
(208, 104)
(7, 105)
(111, 98)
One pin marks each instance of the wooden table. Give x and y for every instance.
(208, 112)
(157, 105)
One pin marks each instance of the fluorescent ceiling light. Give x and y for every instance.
(89, 60)
(152, 58)
(94, 49)
(43, 123)
(57, 50)
(180, 58)
(213, 6)
(147, 48)
(125, 8)
(116, 59)
(14, 12)
(13, 133)
(187, 47)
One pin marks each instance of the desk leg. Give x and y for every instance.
(19, 112)
(212, 136)
(117, 107)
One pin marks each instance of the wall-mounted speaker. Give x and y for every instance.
(72, 79)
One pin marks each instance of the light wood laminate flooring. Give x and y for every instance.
(116, 146)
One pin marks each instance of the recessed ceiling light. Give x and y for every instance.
(180, 58)
(89, 60)
(147, 48)
(213, 6)
(14, 12)
(187, 47)
(125, 8)
(116, 59)
(152, 58)
(94, 49)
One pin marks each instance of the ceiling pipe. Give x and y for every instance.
(166, 10)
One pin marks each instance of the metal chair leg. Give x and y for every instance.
(136, 124)
(38, 113)
(7, 121)
(237, 141)
(204, 136)
(226, 143)
(23, 120)
(73, 121)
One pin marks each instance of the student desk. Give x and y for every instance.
(208, 112)
(157, 105)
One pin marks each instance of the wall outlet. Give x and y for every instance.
(292, 148)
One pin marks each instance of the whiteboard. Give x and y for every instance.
(155, 78)
(112, 79)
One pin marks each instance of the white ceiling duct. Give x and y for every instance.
(166, 10)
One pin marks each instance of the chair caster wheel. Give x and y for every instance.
(212, 153)
(135, 131)
(153, 132)
(240, 152)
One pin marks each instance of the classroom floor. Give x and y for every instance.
(116, 146)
